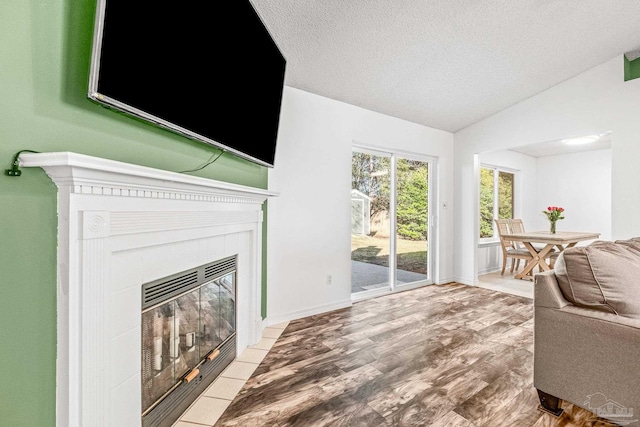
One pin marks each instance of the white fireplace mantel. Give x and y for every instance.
(122, 225)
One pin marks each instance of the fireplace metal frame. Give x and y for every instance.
(169, 409)
(170, 406)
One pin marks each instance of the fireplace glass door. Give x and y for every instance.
(181, 331)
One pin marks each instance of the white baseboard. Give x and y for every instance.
(311, 311)
(468, 282)
(489, 270)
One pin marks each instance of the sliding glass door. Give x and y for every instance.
(390, 226)
(370, 225)
(412, 221)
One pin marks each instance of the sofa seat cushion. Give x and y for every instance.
(602, 276)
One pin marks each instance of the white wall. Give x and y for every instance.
(596, 101)
(309, 225)
(581, 184)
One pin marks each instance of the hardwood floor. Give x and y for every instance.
(441, 355)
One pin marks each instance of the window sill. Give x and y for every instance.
(489, 243)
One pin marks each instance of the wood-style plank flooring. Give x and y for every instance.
(441, 355)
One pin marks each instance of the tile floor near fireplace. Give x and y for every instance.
(206, 410)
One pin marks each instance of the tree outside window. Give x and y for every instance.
(370, 175)
(496, 199)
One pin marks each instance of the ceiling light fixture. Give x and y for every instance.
(581, 140)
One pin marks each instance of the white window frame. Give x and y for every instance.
(432, 274)
(496, 180)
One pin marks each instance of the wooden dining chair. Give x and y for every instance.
(509, 249)
(516, 226)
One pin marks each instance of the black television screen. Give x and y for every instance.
(208, 70)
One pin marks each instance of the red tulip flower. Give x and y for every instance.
(554, 213)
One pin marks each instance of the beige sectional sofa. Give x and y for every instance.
(587, 331)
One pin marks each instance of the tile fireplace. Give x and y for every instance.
(122, 229)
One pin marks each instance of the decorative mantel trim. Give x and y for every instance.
(119, 226)
(94, 175)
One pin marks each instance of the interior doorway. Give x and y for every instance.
(573, 173)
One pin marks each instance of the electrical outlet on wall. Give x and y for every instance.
(329, 279)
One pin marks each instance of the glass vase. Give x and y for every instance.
(552, 227)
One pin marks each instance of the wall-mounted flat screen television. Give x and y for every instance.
(208, 70)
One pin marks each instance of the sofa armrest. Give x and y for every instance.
(547, 292)
(580, 351)
(607, 320)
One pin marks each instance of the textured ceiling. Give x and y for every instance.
(445, 64)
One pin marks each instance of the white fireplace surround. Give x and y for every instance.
(119, 226)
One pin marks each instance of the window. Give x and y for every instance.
(496, 198)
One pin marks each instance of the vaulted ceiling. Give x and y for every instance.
(445, 64)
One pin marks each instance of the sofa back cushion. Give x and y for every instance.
(633, 243)
(603, 276)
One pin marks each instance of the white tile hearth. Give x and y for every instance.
(240, 370)
(265, 343)
(225, 388)
(206, 411)
(210, 406)
(271, 333)
(252, 355)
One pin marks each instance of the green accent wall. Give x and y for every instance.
(44, 68)
(631, 69)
